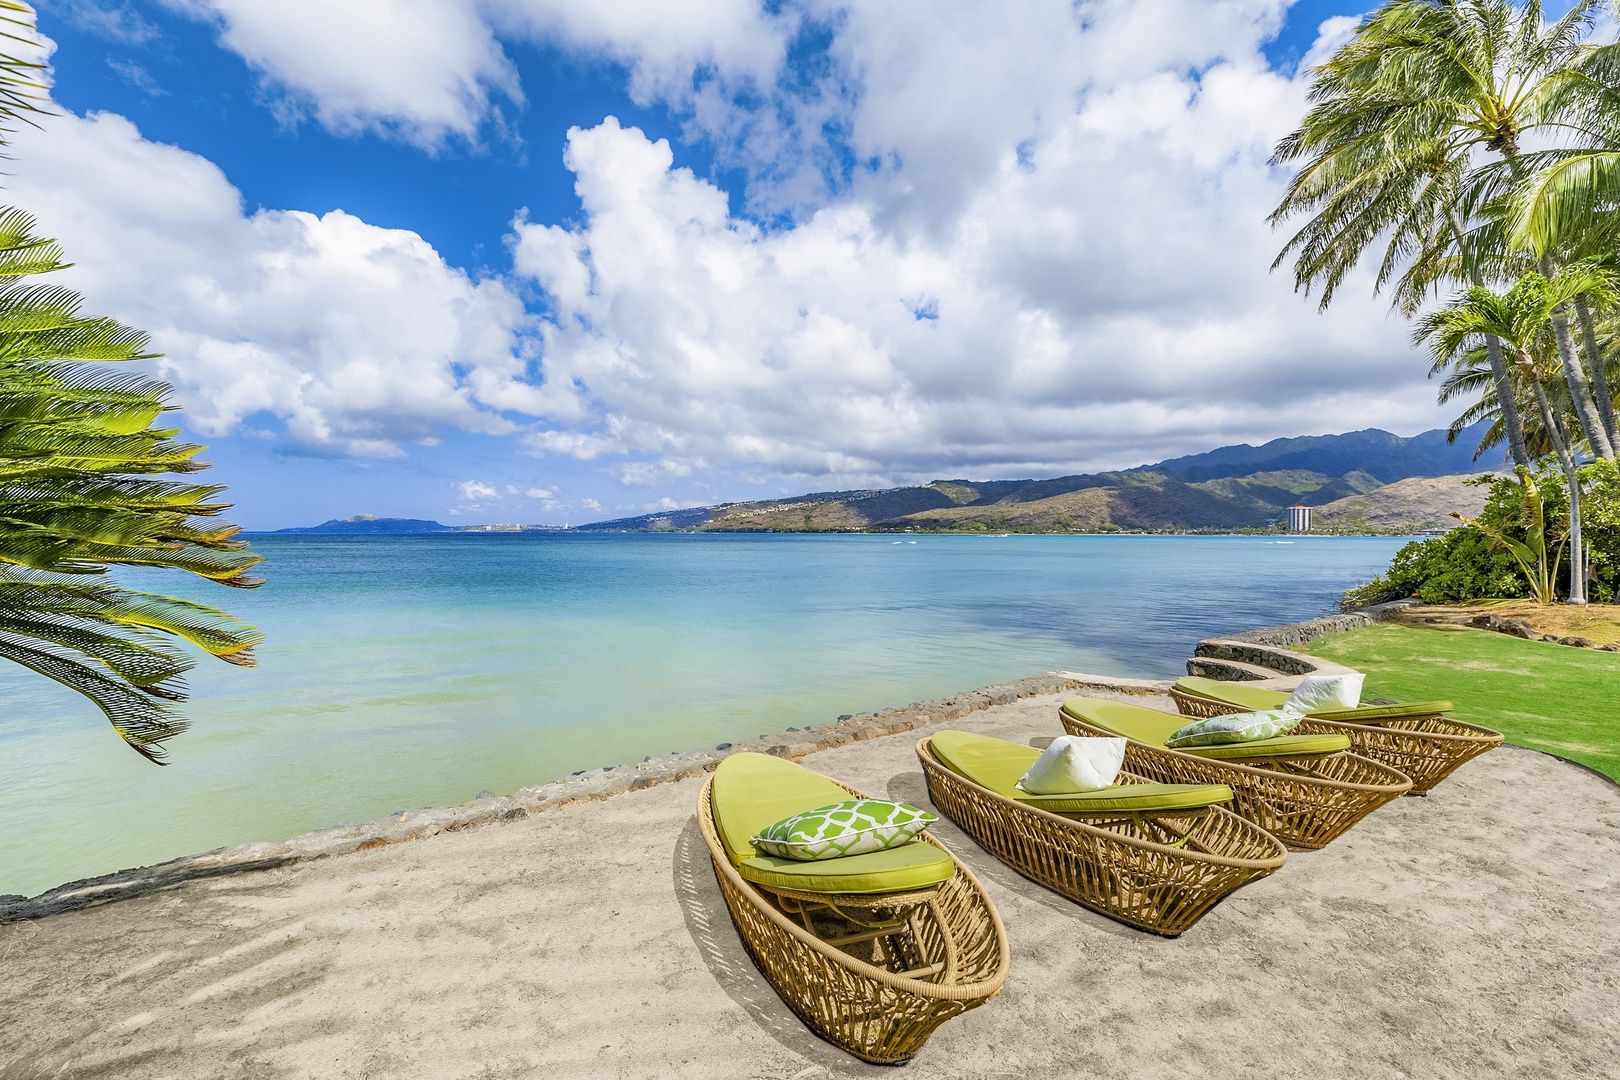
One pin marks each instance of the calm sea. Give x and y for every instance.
(403, 672)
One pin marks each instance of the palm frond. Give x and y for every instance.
(83, 490)
(139, 720)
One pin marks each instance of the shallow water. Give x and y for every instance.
(403, 672)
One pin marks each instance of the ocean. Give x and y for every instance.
(403, 672)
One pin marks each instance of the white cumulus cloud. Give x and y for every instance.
(421, 69)
(359, 339)
(1012, 239)
(1089, 306)
(429, 69)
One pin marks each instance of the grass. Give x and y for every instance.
(1548, 697)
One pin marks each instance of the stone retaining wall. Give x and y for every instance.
(597, 784)
(1292, 634)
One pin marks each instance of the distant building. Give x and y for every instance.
(1299, 519)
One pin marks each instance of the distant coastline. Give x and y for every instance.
(1364, 483)
(599, 529)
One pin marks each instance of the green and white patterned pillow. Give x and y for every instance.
(1235, 728)
(847, 828)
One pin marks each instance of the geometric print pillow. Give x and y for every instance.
(1235, 728)
(847, 828)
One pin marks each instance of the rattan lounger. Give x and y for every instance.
(872, 951)
(1414, 737)
(1306, 790)
(1153, 856)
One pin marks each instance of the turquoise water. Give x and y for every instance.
(416, 671)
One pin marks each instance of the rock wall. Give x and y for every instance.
(1293, 634)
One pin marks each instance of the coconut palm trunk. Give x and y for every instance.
(1506, 400)
(1600, 378)
(1572, 478)
(1580, 389)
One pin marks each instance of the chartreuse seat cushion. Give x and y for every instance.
(851, 827)
(751, 792)
(1154, 727)
(1250, 698)
(997, 764)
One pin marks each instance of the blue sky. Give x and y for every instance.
(879, 246)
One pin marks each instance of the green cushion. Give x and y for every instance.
(997, 764)
(1154, 727)
(1246, 698)
(1249, 698)
(751, 792)
(1363, 713)
(1281, 746)
(910, 866)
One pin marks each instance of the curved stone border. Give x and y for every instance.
(1291, 634)
(592, 786)
(1236, 660)
(1266, 655)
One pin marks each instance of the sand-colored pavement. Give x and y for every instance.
(1475, 933)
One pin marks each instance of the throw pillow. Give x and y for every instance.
(1318, 693)
(1234, 728)
(853, 827)
(1074, 763)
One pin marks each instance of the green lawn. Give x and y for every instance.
(1549, 697)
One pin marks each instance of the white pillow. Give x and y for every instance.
(1074, 763)
(1319, 693)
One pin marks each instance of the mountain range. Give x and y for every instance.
(1353, 479)
(1361, 481)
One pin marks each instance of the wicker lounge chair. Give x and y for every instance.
(1306, 790)
(1415, 737)
(1153, 856)
(872, 951)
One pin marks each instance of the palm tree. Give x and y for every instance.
(78, 454)
(80, 461)
(21, 92)
(1388, 146)
(1566, 207)
(1522, 320)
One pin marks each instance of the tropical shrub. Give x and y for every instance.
(1541, 550)
(1466, 564)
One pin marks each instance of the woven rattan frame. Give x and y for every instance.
(1306, 802)
(1427, 747)
(951, 934)
(1156, 871)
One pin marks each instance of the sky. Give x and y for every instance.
(555, 261)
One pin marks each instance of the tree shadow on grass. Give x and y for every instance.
(709, 923)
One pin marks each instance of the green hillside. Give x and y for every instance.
(1354, 480)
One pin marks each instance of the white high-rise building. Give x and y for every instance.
(1299, 519)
